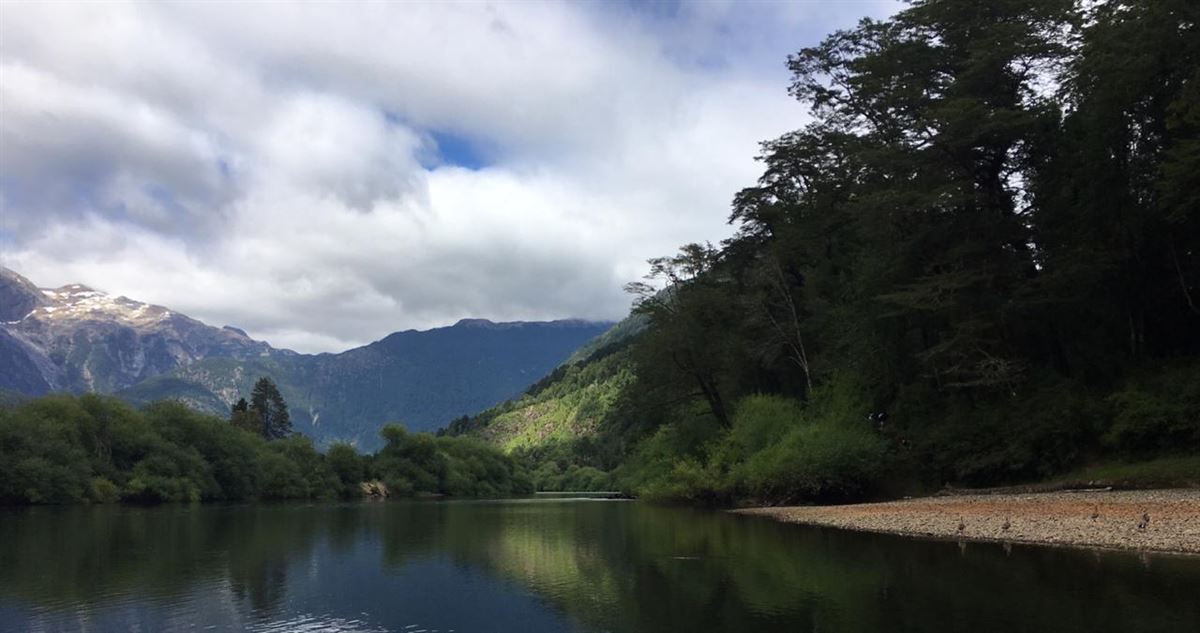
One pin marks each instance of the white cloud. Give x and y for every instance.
(270, 165)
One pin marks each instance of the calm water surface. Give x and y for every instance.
(549, 565)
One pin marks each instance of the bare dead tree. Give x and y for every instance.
(788, 328)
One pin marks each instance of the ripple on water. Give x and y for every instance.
(308, 623)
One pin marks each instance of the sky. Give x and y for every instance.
(321, 174)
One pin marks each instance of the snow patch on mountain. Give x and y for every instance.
(77, 302)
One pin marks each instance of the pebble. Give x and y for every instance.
(1060, 518)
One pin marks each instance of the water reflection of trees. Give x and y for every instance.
(621, 567)
(640, 568)
(82, 556)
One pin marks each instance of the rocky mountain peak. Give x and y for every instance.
(78, 302)
(18, 296)
(78, 338)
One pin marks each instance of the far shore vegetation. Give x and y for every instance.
(96, 449)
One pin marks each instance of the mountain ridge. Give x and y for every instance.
(75, 338)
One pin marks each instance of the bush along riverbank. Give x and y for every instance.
(96, 449)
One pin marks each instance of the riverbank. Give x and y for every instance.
(1109, 519)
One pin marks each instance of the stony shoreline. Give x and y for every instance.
(1103, 519)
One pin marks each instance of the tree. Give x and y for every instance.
(690, 319)
(349, 467)
(268, 407)
(242, 417)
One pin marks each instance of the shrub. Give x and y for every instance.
(1048, 426)
(781, 449)
(103, 491)
(1157, 413)
(281, 477)
(761, 421)
(348, 466)
(689, 481)
(584, 478)
(314, 478)
(816, 461)
(41, 457)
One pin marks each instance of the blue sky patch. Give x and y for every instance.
(459, 150)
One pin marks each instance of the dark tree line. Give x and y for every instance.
(990, 228)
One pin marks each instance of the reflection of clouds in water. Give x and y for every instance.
(308, 623)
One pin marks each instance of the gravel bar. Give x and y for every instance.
(1105, 519)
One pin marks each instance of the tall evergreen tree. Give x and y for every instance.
(242, 417)
(267, 404)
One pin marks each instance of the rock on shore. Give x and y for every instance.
(1082, 519)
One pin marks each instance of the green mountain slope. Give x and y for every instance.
(419, 379)
(569, 404)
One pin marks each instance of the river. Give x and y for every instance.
(549, 564)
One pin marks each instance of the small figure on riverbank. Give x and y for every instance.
(1007, 524)
(1095, 512)
(1145, 522)
(961, 526)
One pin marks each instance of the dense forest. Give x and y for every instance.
(978, 264)
(92, 448)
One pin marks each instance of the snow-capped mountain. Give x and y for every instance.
(76, 338)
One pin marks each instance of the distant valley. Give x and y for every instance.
(78, 339)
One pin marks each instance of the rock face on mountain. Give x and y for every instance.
(75, 338)
(18, 296)
(80, 339)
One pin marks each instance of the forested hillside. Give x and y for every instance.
(978, 264)
(556, 427)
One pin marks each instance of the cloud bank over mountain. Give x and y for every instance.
(322, 174)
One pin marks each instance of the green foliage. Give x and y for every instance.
(762, 421)
(1160, 414)
(1045, 427)
(419, 463)
(551, 478)
(68, 449)
(266, 403)
(818, 460)
(349, 468)
(777, 449)
(826, 448)
(311, 475)
(685, 481)
(671, 463)
(42, 459)
(573, 402)
(242, 417)
(1162, 472)
(103, 491)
